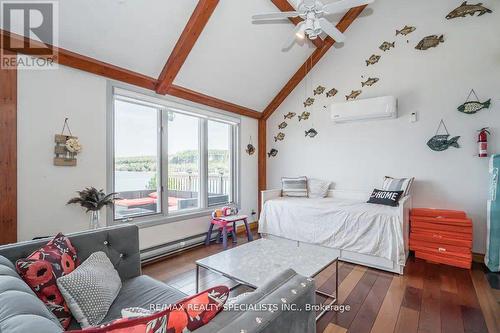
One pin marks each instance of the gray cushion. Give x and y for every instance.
(90, 289)
(143, 292)
(120, 243)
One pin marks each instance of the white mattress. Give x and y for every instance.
(342, 224)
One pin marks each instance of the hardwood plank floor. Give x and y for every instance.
(427, 298)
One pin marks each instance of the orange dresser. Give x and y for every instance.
(443, 236)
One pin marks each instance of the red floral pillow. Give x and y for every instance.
(41, 270)
(185, 316)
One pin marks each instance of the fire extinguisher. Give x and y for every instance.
(482, 139)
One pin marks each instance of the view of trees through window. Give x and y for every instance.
(137, 164)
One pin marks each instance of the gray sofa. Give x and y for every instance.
(22, 311)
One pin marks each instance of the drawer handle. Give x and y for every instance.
(441, 249)
(437, 236)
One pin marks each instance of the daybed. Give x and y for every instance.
(367, 234)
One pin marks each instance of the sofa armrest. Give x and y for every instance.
(281, 305)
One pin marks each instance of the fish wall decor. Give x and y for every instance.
(282, 125)
(429, 41)
(471, 107)
(250, 148)
(406, 30)
(319, 90)
(279, 137)
(332, 92)
(440, 142)
(311, 133)
(468, 9)
(272, 153)
(304, 116)
(386, 46)
(309, 101)
(370, 82)
(353, 95)
(372, 60)
(289, 115)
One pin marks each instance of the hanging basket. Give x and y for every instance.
(66, 148)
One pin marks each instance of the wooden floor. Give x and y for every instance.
(427, 298)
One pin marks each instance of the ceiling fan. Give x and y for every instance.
(314, 23)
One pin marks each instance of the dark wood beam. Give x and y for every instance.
(185, 44)
(87, 64)
(285, 6)
(8, 153)
(262, 159)
(90, 65)
(196, 97)
(344, 23)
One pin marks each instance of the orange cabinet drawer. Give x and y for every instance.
(430, 212)
(449, 251)
(429, 237)
(443, 259)
(442, 234)
(442, 220)
(426, 226)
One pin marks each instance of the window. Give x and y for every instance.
(170, 159)
(183, 162)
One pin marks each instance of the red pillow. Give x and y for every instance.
(41, 270)
(185, 316)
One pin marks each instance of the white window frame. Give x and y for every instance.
(164, 105)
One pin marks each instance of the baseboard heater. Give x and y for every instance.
(170, 248)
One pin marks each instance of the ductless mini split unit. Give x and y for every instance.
(385, 107)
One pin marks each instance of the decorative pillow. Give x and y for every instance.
(41, 269)
(388, 198)
(294, 187)
(398, 184)
(90, 289)
(318, 188)
(185, 316)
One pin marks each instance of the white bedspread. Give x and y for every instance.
(342, 224)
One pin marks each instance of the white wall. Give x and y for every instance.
(45, 99)
(432, 82)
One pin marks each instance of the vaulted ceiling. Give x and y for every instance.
(232, 59)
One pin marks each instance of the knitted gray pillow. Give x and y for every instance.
(90, 289)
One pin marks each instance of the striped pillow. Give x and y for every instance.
(294, 187)
(398, 184)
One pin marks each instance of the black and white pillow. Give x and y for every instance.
(388, 198)
(398, 184)
(294, 187)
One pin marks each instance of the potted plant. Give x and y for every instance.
(93, 200)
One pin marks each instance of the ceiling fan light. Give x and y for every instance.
(300, 34)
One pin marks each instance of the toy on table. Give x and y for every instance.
(226, 218)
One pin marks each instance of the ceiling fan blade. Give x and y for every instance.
(297, 33)
(331, 30)
(278, 15)
(342, 5)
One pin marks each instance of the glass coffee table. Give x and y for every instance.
(253, 263)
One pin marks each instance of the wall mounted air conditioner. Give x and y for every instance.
(385, 107)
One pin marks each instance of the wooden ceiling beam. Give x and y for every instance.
(90, 65)
(315, 57)
(197, 97)
(81, 62)
(285, 6)
(185, 44)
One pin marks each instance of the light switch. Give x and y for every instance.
(413, 117)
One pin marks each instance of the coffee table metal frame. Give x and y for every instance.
(334, 298)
